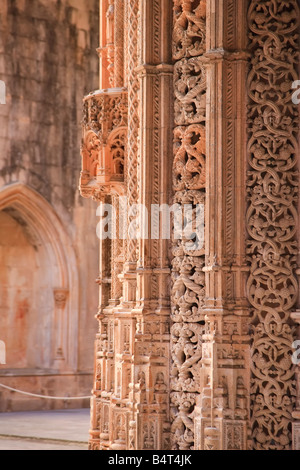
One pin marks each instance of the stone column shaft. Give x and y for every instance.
(222, 417)
(151, 357)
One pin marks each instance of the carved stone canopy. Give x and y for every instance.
(104, 143)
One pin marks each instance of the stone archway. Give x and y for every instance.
(44, 258)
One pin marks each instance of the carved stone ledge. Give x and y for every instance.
(160, 69)
(223, 54)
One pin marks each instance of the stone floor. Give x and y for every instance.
(45, 430)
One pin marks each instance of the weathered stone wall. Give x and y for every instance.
(48, 62)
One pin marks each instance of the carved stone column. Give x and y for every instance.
(133, 86)
(103, 178)
(272, 220)
(120, 24)
(130, 404)
(189, 182)
(123, 323)
(152, 341)
(222, 413)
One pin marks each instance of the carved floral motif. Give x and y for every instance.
(273, 185)
(189, 32)
(190, 91)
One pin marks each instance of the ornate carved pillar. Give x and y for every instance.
(130, 404)
(133, 86)
(103, 52)
(123, 329)
(119, 43)
(152, 341)
(223, 369)
(189, 181)
(222, 413)
(103, 178)
(272, 221)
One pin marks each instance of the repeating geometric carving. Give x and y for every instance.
(273, 185)
(189, 181)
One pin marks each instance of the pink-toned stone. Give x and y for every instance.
(200, 313)
(48, 61)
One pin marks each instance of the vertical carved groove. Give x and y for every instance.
(188, 289)
(273, 185)
(119, 43)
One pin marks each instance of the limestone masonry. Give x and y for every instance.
(197, 107)
(195, 115)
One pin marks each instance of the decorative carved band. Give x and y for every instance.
(189, 181)
(273, 185)
(133, 118)
(189, 34)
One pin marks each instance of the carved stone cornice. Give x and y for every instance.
(223, 54)
(161, 69)
(189, 186)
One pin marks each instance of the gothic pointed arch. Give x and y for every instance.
(48, 236)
